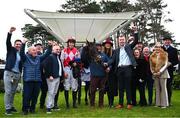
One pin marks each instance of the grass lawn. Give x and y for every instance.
(87, 111)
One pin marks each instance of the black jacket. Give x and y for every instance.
(172, 57)
(51, 66)
(129, 50)
(11, 55)
(140, 72)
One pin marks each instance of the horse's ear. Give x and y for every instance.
(87, 42)
(94, 41)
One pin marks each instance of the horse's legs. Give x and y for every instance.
(87, 85)
(79, 91)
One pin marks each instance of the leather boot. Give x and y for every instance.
(74, 93)
(66, 94)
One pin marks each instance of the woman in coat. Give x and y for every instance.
(158, 66)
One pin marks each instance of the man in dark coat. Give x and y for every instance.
(123, 60)
(173, 59)
(12, 73)
(53, 72)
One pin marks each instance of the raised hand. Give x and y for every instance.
(134, 28)
(50, 43)
(12, 29)
(105, 64)
(24, 40)
(54, 43)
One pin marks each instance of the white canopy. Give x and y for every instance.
(82, 26)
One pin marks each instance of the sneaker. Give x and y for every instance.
(163, 107)
(56, 108)
(8, 112)
(13, 110)
(156, 106)
(25, 112)
(111, 106)
(48, 111)
(32, 111)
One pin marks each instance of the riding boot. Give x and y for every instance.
(79, 96)
(66, 94)
(86, 101)
(74, 94)
(79, 100)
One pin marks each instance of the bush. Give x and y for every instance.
(176, 82)
(1, 86)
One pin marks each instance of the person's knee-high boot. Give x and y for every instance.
(74, 93)
(66, 94)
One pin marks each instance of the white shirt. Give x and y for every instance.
(123, 58)
(60, 69)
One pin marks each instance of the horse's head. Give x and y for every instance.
(91, 51)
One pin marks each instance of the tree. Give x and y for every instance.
(151, 22)
(81, 6)
(116, 6)
(36, 34)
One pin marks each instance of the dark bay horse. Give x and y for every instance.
(89, 53)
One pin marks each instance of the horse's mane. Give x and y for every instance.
(89, 53)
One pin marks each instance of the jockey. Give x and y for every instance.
(68, 55)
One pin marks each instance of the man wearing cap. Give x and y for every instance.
(68, 55)
(173, 59)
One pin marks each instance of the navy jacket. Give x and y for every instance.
(11, 55)
(31, 65)
(129, 50)
(51, 66)
(96, 69)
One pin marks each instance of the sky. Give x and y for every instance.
(12, 14)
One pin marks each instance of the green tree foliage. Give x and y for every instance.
(81, 6)
(116, 6)
(151, 22)
(36, 34)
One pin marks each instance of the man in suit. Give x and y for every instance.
(12, 73)
(123, 60)
(53, 72)
(173, 59)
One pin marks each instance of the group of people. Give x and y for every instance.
(129, 67)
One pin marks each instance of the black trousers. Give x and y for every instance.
(124, 75)
(111, 85)
(169, 84)
(79, 90)
(44, 89)
(149, 84)
(30, 95)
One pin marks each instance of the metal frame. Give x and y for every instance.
(122, 25)
(30, 14)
